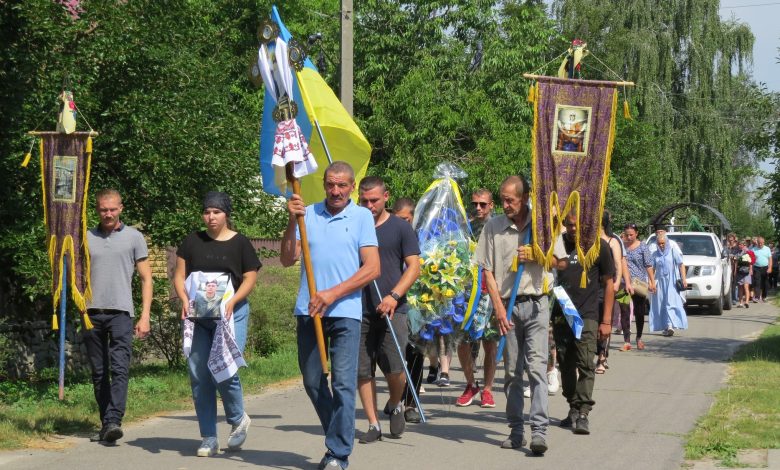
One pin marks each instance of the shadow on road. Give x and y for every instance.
(187, 447)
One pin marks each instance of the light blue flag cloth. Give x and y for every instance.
(570, 312)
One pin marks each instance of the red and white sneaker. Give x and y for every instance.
(468, 395)
(487, 399)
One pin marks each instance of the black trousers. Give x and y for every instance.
(414, 361)
(110, 346)
(760, 281)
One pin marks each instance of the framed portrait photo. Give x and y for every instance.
(208, 293)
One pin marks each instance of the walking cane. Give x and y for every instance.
(296, 185)
(409, 381)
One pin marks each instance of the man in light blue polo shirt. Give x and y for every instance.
(345, 258)
(761, 269)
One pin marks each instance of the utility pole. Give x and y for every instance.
(347, 52)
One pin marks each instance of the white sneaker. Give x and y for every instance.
(422, 390)
(553, 383)
(527, 391)
(208, 447)
(238, 433)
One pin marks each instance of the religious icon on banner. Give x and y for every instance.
(64, 178)
(572, 129)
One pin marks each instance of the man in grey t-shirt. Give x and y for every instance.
(115, 251)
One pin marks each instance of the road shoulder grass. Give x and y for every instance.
(746, 412)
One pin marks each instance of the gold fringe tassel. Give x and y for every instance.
(545, 286)
(26, 161)
(87, 323)
(626, 110)
(54, 325)
(531, 93)
(514, 264)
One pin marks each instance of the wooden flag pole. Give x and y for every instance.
(296, 185)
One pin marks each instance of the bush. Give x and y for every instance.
(165, 338)
(272, 325)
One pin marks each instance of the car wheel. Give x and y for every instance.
(717, 307)
(727, 301)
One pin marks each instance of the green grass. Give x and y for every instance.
(31, 411)
(745, 413)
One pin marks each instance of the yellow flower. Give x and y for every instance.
(425, 298)
(422, 262)
(449, 293)
(433, 268)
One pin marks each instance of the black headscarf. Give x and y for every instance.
(218, 200)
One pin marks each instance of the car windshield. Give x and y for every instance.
(694, 245)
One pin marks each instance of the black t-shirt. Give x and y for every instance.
(397, 240)
(586, 300)
(235, 256)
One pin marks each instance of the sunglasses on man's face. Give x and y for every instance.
(480, 204)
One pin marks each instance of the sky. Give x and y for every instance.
(762, 17)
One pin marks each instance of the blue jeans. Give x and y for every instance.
(528, 350)
(204, 388)
(336, 407)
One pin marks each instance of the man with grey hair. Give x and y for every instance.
(345, 258)
(502, 241)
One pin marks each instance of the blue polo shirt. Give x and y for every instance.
(762, 256)
(335, 242)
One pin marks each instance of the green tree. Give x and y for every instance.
(164, 83)
(693, 97)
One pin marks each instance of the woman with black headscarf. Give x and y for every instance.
(221, 253)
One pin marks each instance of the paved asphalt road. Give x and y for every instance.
(646, 402)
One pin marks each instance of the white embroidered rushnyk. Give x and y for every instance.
(224, 358)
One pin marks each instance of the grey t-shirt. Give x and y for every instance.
(112, 262)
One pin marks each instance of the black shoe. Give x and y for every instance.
(113, 433)
(397, 421)
(433, 374)
(581, 427)
(100, 436)
(538, 445)
(513, 443)
(569, 421)
(372, 435)
(386, 410)
(411, 415)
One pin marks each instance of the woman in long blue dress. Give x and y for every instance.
(666, 305)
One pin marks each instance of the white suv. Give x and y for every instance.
(708, 270)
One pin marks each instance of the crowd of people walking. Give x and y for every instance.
(370, 258)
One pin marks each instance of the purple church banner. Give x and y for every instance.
(574, 130)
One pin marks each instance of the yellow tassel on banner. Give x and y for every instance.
(514, 264)
(584, 279)
(626, 110)
(89, 145)
(87, 322)
(531, 94)
(26, 161)
(54, 324)
(545, 286)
